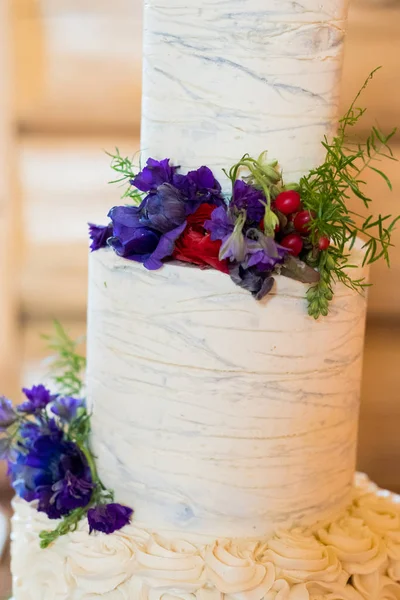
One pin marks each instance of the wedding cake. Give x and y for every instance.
(226, 423)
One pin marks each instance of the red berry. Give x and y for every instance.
(323, 243)
(288, 202)
(293, 243)
(301, 222)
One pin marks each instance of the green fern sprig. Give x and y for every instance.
(325, 192)
(66, 365)
(126, 171)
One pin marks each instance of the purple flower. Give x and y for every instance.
(109, 518)
(164, 210)
(136, 244)
(221, 224)
(70, 493)
(8, 416)
(147, 233)
(135, 241)
(131, 239)
(258, 284)
(53, 471)
(99, 235)
(263, 252)
(246, 197)
(164, 248)
(154, 174)
(67, 408)
(199, 187)
(234, 245)
(38, 398)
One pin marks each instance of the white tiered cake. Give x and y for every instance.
(228, 425)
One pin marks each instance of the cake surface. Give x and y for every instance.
(225, 78)
(214, 414)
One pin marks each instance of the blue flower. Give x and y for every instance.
(99, 235)
(67, 408)
(53, 471)
(109, 518)
(29, 431)
(38, 398)
(246, 197)
(154, 174)
(8, 416)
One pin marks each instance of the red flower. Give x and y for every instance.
(195, 245)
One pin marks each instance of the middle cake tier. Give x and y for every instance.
(215, 415)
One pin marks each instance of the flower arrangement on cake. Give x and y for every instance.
(302, 230)
(45, 441)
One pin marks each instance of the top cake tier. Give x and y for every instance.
(222, 78)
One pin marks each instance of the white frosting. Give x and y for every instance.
(235, 568)
(382, 514)
(358, 548)
(344, 561)
(300, 557)
(222, 78)
(215, 415)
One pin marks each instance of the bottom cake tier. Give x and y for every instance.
(354, 556)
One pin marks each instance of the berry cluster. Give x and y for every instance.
(293, 231)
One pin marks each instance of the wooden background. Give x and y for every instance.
(69, 87)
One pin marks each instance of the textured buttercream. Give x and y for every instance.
(345, 560)
(222, 78)
(216, 415)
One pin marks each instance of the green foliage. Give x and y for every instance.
(265, 176)
(325, 192)
(67, 366)
(68, 524)
(126, 171)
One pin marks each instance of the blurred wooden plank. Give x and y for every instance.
(9, 236)
(54, 281)
(372, 41)
(379, 442)
(64, 185)
(384, 295)
(78, 65)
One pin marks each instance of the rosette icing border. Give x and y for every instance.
(354, 557)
